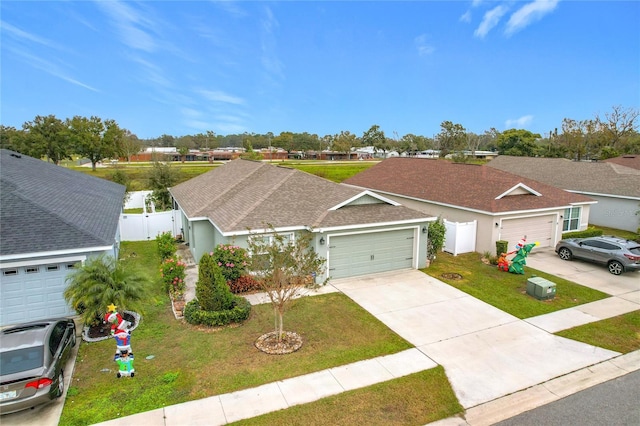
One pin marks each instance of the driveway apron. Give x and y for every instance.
(486, 352)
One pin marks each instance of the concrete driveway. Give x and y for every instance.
(587, 274)
(486, 352)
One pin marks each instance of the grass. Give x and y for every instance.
(191, 362)
(507, 291)
(336, 172)
(617, 232)
(620, 334)
(425, 397)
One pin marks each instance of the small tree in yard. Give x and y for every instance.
(436, 236)
(103, 281)
(211, 289)
(283, 267)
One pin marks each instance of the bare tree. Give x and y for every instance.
(284, 266)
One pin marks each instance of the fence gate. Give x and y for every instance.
(460, 237)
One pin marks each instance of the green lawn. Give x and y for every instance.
(425, 397)
(507, 291)
(194, 362)
(620, 334)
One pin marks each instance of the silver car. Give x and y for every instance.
(618, 254)
(32, 360)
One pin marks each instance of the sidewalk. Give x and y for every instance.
(226, 408)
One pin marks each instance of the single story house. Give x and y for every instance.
(616, 187)
(358, 232)
(505, 206)
(51, 218)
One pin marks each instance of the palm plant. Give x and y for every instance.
(101, 281)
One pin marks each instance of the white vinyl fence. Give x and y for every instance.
(149, 224)
(460, 237)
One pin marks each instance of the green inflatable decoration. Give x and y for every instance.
(518, 262)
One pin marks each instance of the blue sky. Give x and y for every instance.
(177, 68)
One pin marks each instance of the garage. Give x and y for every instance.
(34, 292)
(536, 228)
(367, 253)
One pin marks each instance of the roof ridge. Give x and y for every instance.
(266, 194)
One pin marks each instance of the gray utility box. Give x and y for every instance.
(541, 288)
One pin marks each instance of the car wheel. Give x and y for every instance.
(565, 254)
(60, 384)
(616, 267)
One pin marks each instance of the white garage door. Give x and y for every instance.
(30, 293)
(368, 253)
(536, 228)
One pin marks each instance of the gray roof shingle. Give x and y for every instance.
(44, 207)
(589, 177)
(243, 195)
(464, 185)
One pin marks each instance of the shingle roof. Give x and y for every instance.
(242, 195)
(580, 176)
(44, 207)
(632, 160)
(465, 185)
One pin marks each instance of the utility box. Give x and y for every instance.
(540, 288)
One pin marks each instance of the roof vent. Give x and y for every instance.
(16, 155)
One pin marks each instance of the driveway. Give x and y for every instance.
(486, 352)
(587, 274)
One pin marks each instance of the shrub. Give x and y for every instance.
(232, 260)
(502, 246)
(244, 284)
(167, 246)
(436, 237)
(212, 290)
(173, 275)
(589, 232)
(240, 310)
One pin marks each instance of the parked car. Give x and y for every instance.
(618, 254)
(32, 360)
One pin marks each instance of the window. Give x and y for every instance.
(51, 268)
(571, 221)
(71, 266)
(32, 269)
(12, 271)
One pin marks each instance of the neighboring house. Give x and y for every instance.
(614, 186)
(51, 218)
(630, 160)
(357, 231)
(505, 206)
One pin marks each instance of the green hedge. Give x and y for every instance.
(240, 312)
(502, 246)
(589, 232)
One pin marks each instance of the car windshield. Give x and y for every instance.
(20, 360)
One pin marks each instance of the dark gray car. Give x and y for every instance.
(32, 360)
(618, 254)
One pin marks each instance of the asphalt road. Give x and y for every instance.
(613, 403)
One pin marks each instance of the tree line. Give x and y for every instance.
(615, 133)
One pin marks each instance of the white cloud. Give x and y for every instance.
(51, 68)
(529, 13)
(129, 23)
(269, 59)
(219, 96)
(521, 122)
(424, 46)
(490, 20)
(466, 17)
(21, 35)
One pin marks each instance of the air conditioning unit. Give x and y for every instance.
(540, 288)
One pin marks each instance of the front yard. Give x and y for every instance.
(176, 362)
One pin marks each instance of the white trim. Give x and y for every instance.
(519, 185)
(373, 225)
(625, 197)
(40, 255)
(363, 194)
(45, 262)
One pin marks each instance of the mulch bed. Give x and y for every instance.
(290, 342)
